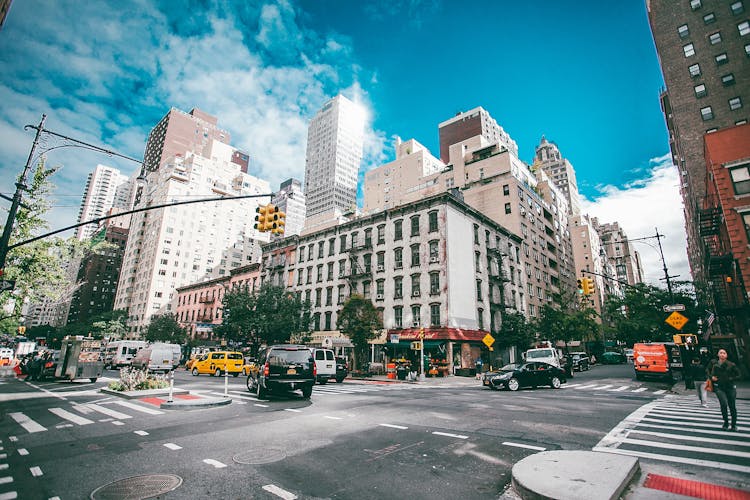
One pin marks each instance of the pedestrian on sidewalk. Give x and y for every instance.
(698, 372)
(723, 374)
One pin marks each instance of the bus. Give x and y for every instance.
(120, 353)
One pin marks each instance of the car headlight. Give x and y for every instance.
(503, 376)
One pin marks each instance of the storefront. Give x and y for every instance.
(446, 350)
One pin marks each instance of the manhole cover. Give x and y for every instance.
(259, 457)
(137, 487)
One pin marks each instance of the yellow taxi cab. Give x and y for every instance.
(250, 366)
(218, 362)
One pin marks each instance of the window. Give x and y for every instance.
(329, 296)
(737, 8)
(433, 221)
(506, 189)
(342, 246)
(479, 290)
(744, 28)
(695, 4)
(707, 113)
(342, 268)
(319, 273)
(714, 38)
(709, 18)
(480, 318)
(433, 251)
(381, 261)
(688, 49)
(398, 287)
(368, 238)
(331, 246)
(301, 254)
(700, 90)
(476, 234)
(735, 103)
(727, 80)
(398, 258)
(507, 208)
(398, 316)
(746, 221)
(397, 229)
(721, 59)
(381, 234)
(328, 320)
(329, 271)
(435, 314)
(320, 249)
(380, 288)
(683, 31)
(741, 178)
(416, 315)
(415, 255)
(415, 225)
(695, 70)
(416, 289)
(318, 295)
(434, 283)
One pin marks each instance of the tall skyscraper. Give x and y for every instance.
(468, 124)
(106, 188)
(560, 171)
(291, 200)
(624, 259)
(704, 51)
(334, 153)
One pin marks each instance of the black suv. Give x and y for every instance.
(283, 368)
(580, 361)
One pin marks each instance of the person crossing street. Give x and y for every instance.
(723, 373)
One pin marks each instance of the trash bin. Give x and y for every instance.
(401, 372)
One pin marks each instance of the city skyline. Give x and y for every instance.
(281, 61)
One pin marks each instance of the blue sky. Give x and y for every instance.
(585, 74)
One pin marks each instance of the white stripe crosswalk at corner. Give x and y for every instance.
(71, 417)
(27, 423)
(103, 410)
(678, 429)
(137, 407)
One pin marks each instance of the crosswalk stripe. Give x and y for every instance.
(133, 406)
(620, 389)
(603, 387)
(71, 417)
(693, 430)
(689, 438)
(661, 391)
(640, 389)
(681, 460)
(589, 386)
(107, 411)
(25, 422)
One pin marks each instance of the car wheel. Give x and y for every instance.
(92, 379)
(218, 372)
(236, 374)
(307, 391)
(250, 383)
(339, 380)
(322, 381)
(555, 383)
(260, 392)
(195, 372)
(513, 384)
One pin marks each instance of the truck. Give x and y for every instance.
(544, 351)
(80, 357)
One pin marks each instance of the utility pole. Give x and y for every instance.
(664, 264)
(20, 188)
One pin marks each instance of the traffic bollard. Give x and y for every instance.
(171, 385)
(226, 383)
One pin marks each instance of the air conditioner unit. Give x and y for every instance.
(381, 268)
(415, 324)
(434, 258)
(415, 294)
(379, 296)
(523, 211)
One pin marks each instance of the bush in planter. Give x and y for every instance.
(132, 379)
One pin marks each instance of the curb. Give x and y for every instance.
(140, 394)
(195, 403)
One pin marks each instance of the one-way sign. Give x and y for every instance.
(674, 307)
(7, 285)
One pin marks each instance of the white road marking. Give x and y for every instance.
(640, 390)
(63, 426)
(685, 437)
(6, 480)
(26, 423)
(36, 471)
(521, 445)
(662, 391)
(107, 411)
(236, 394)
(13, 439)
(172, 446)
(11, 495)
(133, 406)
(674, 458)
(603, 387)
(448, 434)
(215, 463)
(141, 433)
(683, 447)
(393, 426)
(72, 417)
(333, 418)
(117, 422)
(589, 386)
(286, 495)
(293, 410)
(3, 456)
(262, 406)
(3, 466)
(619, 389)
(54, 498)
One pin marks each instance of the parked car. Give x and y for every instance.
(612, 358)
(250, 366)
(515, 375)
(325, 364)
(283, 368)
(342, 368)
(218, 362)
(580, 361)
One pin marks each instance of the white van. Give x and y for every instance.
(155, 358)
(325, 363)
(174, 348)
(545, 354)
(120, 353)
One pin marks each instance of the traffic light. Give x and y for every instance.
(261, 219)
(685, 339)
(580, 286)
(280, 219)
(421, 333)
(21, 330)
(415, 346)
(588, 286)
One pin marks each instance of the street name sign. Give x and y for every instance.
(674, 307)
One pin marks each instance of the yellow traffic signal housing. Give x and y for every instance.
(685, 339)
(261, 220)
(280, 221)
(588, 286)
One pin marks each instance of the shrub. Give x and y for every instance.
(132, 379)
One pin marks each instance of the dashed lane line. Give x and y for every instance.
(294, 410)
(526, 446)
(448, 434)
(641, 389)
(36, 471)
(172, 446)
(10, 495)
(620, 389)
(141, 433)
(6, 480)
(215, 463)
(281, 493)
(21, 451)
(333, 418)
(393, 426)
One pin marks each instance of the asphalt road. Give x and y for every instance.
(446, 439)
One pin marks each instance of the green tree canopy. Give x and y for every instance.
(269, 315)
(359, 320)
(566, 319)
(165, 328)
(515, 331)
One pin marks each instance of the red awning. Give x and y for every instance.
(458, 334)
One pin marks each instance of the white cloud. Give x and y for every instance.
(642, 207)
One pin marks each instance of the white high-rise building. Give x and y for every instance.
(334, 153)
(291, 200)
(106, 188)
(176, 246)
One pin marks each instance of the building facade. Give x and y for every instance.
(704, 52)
(560, 171)
(622, 257)
(472, 123)
(457, 288)
(334, 153)
(175, 246)
(106, 188)
(291, 200)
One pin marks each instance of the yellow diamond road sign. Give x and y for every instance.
(676, 320)
(488, 340)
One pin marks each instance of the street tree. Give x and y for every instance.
(165, 328)
(110, 325)
(567, 319)
(515, 331)
(360, 321)
(268, 315)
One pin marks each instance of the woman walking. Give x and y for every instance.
(723, 374)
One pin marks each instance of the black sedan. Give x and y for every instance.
(517, 375)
